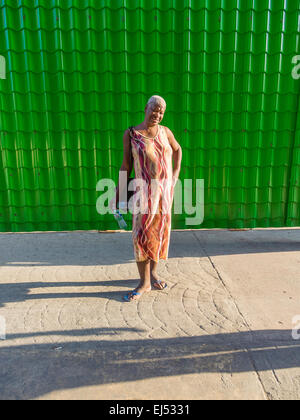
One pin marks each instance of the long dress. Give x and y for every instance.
(151, 203)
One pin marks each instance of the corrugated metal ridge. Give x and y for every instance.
(126, 5)
(191, 149)
(200, 130)
(140, 51)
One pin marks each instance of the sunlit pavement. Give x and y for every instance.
(226, 327)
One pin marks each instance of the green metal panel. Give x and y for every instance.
(78, 73)
(292, 206)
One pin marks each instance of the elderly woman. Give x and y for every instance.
(150, 147)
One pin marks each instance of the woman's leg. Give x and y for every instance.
(153, 272)
(144, 270)
(159, 284)
(145, 282)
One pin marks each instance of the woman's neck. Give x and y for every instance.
(148, 126)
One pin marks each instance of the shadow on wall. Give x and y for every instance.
(31, 371)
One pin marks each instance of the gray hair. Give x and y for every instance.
(157, 100)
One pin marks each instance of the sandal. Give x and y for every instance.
(129, 297)
(158, 284)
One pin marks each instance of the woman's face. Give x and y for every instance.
(154, 114)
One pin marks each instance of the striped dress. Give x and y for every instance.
(151, 204)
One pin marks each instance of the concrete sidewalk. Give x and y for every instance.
(225, 327)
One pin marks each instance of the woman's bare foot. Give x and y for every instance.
(156, 282)
(137, 293)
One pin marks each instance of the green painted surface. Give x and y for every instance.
(78, 73)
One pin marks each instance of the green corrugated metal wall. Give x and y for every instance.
(78, 73)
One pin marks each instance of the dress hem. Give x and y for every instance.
(151, 259)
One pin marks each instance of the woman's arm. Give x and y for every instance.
(177, 153)
(127, 163)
